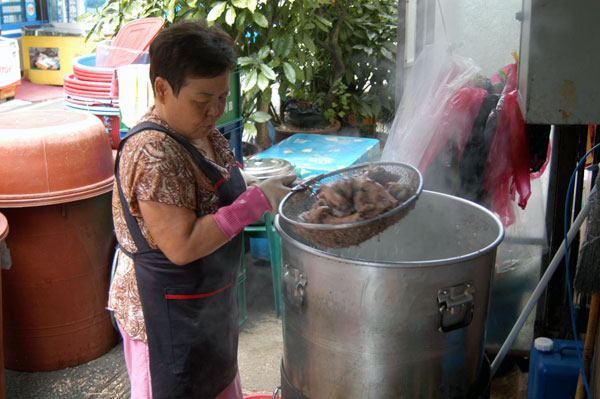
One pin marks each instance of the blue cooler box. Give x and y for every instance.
(314, 154)
(553, 369)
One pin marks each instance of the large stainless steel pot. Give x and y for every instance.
(403, 315)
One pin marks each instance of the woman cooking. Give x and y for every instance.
(179, 205)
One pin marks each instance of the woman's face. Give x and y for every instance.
(198, 107)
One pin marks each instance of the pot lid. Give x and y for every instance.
(264, 168)
(3, 227)
(51, 157)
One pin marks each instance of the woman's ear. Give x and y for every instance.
(161, 89)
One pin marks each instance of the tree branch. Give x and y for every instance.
(340, 68)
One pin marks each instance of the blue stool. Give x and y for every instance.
(267, 230)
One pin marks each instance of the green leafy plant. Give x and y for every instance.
(338, 54)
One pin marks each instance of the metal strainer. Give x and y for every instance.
(303, 196)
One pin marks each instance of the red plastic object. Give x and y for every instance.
(94, 76)
(507, 169)
(55, 293)
(3, 234)
(84, 84)
(87, 93)
(112, 123)
(91, 102)
(55, 157)
(134, 35)
(55, 191)
(261, 396)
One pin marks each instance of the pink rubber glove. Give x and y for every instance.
(249, 207)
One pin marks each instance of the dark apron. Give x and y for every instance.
(191, 311)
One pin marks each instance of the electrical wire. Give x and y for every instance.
(569, 289)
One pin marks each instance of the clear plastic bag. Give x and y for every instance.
(436, 76)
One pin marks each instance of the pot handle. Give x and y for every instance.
(293, 287)
(456, 305)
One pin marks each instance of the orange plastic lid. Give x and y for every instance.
(135, 35)
(57, 156)
(3, 227)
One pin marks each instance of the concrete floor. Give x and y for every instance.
(260, 352)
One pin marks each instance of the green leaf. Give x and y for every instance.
(299, 73)
(260, 19)
(250, 129)
(308, 41)
(243, 61)
(251, 5)
(387, 54)
(241, 20)
(230, 16)
(263, 81)
(321, 26)
(322, 20)
(290, 72)
(263, 53)
(216, 11)
(289, 45)
(260, 117)
(240, 3)
(268, 72)
(249, 81)
(277, 45)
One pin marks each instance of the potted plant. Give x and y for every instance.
(336, 54)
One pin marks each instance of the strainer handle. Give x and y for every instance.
(305, 185)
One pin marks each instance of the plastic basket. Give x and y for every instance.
(233, 108)
(84, 67)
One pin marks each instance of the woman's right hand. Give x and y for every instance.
(276, 188)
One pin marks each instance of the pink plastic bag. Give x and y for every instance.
(457, 119)
(507, 169)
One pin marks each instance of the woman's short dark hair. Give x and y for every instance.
(190, 50)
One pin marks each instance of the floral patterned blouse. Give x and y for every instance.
(154, 167)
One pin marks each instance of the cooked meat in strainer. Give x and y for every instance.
(355, 198)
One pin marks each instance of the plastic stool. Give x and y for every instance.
(267, 230)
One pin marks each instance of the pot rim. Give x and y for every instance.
(419, 263)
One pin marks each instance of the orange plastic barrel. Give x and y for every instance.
(55, 191)
(3, 234)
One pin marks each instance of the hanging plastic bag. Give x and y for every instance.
(456, 122)
(434, 80)
(507, 168)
